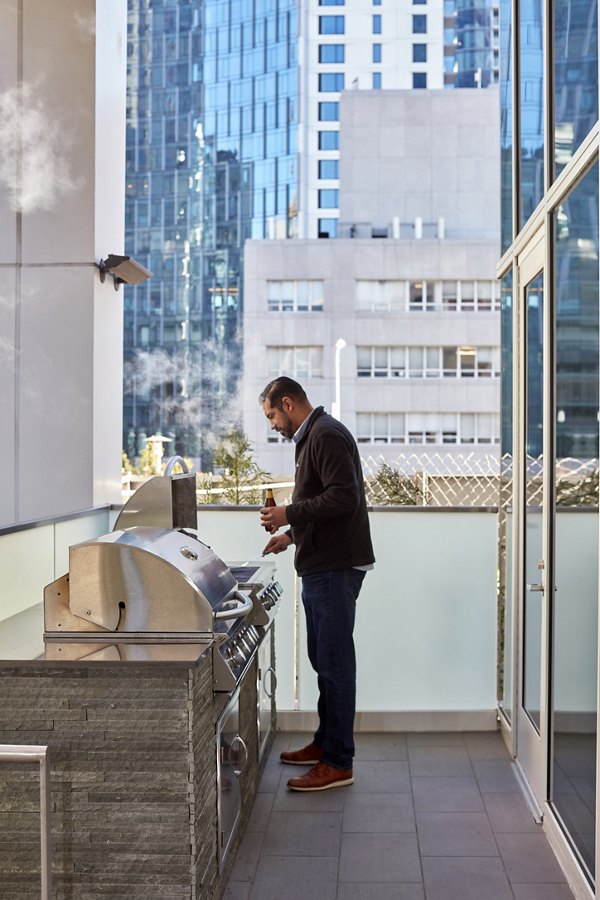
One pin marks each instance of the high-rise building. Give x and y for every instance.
(395, 325)
(233, 133)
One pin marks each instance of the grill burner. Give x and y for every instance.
(244, 573)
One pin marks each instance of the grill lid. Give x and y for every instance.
(151, 579)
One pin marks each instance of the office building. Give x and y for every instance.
(233, 133)
(409, 291)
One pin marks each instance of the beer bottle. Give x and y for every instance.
(269, 501)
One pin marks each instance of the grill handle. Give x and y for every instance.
(173, 461)
(240, 611)
(241, 768)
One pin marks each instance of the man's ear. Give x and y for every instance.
(287, 404)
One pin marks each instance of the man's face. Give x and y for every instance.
(280, 419)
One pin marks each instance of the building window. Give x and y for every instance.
(376, 2)
(331, 2)
(328, 228)
(381, 362)
(419, 24)
(329, 140)
(376, 24)
(295, 296)
(376, 81)
(427, 428)
(381, 296)
(419, 53)
(295, 362)
(328, 198)
(376, 53)
(331, 81)
(449, 296)
(328, 168)
(332, 53)
(380, 428)
(421, 296)
(419, 79)
(427, 296)
(331, 24)
(329, 111)
(428, 362)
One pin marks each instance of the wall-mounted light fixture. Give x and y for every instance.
(124, 270)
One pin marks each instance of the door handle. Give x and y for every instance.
(536, 588)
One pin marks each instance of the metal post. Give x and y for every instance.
(336, 406)
(35, 753)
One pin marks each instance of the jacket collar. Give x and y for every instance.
(303, 430)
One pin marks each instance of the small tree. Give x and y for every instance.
(583, 492)
(393, 489)
(127, 467)
(239, 469)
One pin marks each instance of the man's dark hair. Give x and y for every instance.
(282, 387)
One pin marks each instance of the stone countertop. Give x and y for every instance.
(22, 643)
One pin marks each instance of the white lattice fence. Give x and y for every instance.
(442, 479)
(437, 479)
(433, 479)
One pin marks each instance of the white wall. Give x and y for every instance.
(422, 153)
(32, 558)
(426, 619)
(339, 264)
(62, 95)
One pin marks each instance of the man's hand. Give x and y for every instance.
(273, 517)
(277, 544)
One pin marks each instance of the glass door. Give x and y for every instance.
(532, 697)
(575, 527)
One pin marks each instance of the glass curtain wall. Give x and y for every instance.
(211, 161)
(506, 124)
(575, 38)
(575, 619)
(556, 189)
(531, 107)
(164, 93)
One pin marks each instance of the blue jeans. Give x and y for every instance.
(329, 600)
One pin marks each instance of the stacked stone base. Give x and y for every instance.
(132, 775)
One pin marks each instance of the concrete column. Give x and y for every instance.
(62, 160)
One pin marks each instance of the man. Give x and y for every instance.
(330, 529)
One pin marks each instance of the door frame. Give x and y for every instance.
(532, 749)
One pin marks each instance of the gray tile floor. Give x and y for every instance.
(429, 817)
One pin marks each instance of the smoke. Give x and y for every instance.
(189, 388)
(86, 23)
(33, 149)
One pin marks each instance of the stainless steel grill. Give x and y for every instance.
(155, 582)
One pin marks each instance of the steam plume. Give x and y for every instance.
(33, 165)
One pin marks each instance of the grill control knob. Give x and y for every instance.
(237, 656)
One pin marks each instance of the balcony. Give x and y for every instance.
(436, 810)
(431, 815)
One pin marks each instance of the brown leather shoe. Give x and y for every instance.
(308, 756)
(320, 778)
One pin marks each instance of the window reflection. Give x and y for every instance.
(506, 125)
(575, 76)
(531, 107)
(576, 528)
